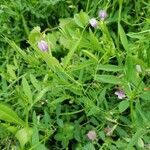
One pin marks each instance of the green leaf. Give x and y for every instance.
(82, 65)
(12, 129)
(35, 135)
(59, 100)
(41, 94)
(102, 135)
(139, 133)
(8, 115)
(28, 58)
(148, 56)
(93, 110)
(11, 72)
(108, 79)
(131, 74)
(108, 67)
(17, 49)
(90, 55)
(145, 95)
(123, 106)
(35, 138)
(35, 83)
(140, 143)
(94, 43)
(71, 52)
(27, 90)
(121, 132)
(65, 134)
(123, 37)
(89, 146)
(35, 35)
(60, 122)
(24, 136)
(81, 19)
(135, 35)
(65, 76)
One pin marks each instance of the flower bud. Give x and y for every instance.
(42, 45)
(91, 135)
(93, 22)
(138, 68)
(102, 14)
(120, 94)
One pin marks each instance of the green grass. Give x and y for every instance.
(51, 100)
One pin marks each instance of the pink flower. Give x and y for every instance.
(91, 135)
(93, 22)
(102, 14)
(42, 45)
(120, 94)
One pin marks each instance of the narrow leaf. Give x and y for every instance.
(71, 53)
(90, 55)
(35, 82)
(123, 37)
(108, 79)
(41, 94)
(27, 90)
(8, 115)
(108, 67)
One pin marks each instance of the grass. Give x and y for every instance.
(52, 99)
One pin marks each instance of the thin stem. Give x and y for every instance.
(25, 25)
(72, 113)
(87, 6)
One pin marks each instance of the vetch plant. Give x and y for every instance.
(75, 87)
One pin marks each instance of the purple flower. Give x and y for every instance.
(120, 94)
(102, 14)
(42, 45)
(91, 135)
(93, 22)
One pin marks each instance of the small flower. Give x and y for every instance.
(120, 94)
(138, 68)
(93, 22)
(102, 14)
(108, 131)
(91, 135)
(42, 45)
